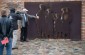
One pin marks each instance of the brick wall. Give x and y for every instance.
(21, 4)
(83, 21)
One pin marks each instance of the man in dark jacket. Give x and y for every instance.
(6, 29)
(14, 17)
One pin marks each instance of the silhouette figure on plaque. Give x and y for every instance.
(58, 25)
(66, 22)
(42, 22)
(50, 23)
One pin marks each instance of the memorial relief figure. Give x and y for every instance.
(58, 26)
(66, 22)
(42, 22)
(50, 23)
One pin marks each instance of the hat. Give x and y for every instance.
(25, 9)
(12, 10)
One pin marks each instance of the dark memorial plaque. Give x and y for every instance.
(59, 20)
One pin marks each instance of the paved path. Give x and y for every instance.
(50, 47)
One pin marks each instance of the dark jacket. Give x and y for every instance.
(14, 19)
(7, 32)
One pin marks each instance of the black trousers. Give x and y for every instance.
(23, 33)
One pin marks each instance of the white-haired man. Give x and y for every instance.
(24, 22)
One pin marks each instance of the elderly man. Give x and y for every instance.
(24, 22)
